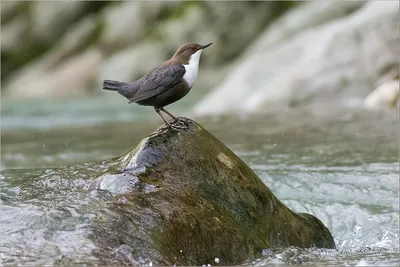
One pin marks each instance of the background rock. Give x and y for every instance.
(128, 22)
(337, 63)
(123, 65)
(49, 19)
(64, 80)
(278, 54)
(126, 33)
(37, 79)
(12, 33)
(387, 92)
(32, 28)
(8, 9)
(301, 18)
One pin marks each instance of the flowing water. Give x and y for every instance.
(342, 167)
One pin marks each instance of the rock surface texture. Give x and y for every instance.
(186, 199)
(302, 59)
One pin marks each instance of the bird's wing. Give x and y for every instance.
(158, 80)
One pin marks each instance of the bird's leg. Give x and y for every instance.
(178, 124)
(159, 113)
(172, 116)
(175, 126)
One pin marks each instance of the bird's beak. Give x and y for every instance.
(206, 45)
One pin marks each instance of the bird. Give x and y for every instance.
(164, 84)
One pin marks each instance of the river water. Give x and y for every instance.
(341, 166)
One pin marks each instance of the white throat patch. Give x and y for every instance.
(192, 68)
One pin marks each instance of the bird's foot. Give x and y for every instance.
(178, 124)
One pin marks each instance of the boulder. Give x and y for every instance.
(336, 62)
(180, 197)
(186, 199)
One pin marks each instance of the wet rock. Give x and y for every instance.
(334, 63)
(187, 199)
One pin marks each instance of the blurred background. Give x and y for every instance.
(294, 52)
(320, 57)
(306, 93)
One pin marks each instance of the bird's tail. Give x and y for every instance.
(112, 85)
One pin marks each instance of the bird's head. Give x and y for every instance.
(189, 52)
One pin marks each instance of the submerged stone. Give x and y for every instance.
(182, 197)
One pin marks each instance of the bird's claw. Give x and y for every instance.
(178, 124)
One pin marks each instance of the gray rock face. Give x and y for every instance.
(301, 18)
(337, 62)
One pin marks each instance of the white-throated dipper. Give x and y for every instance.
(164, 84)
